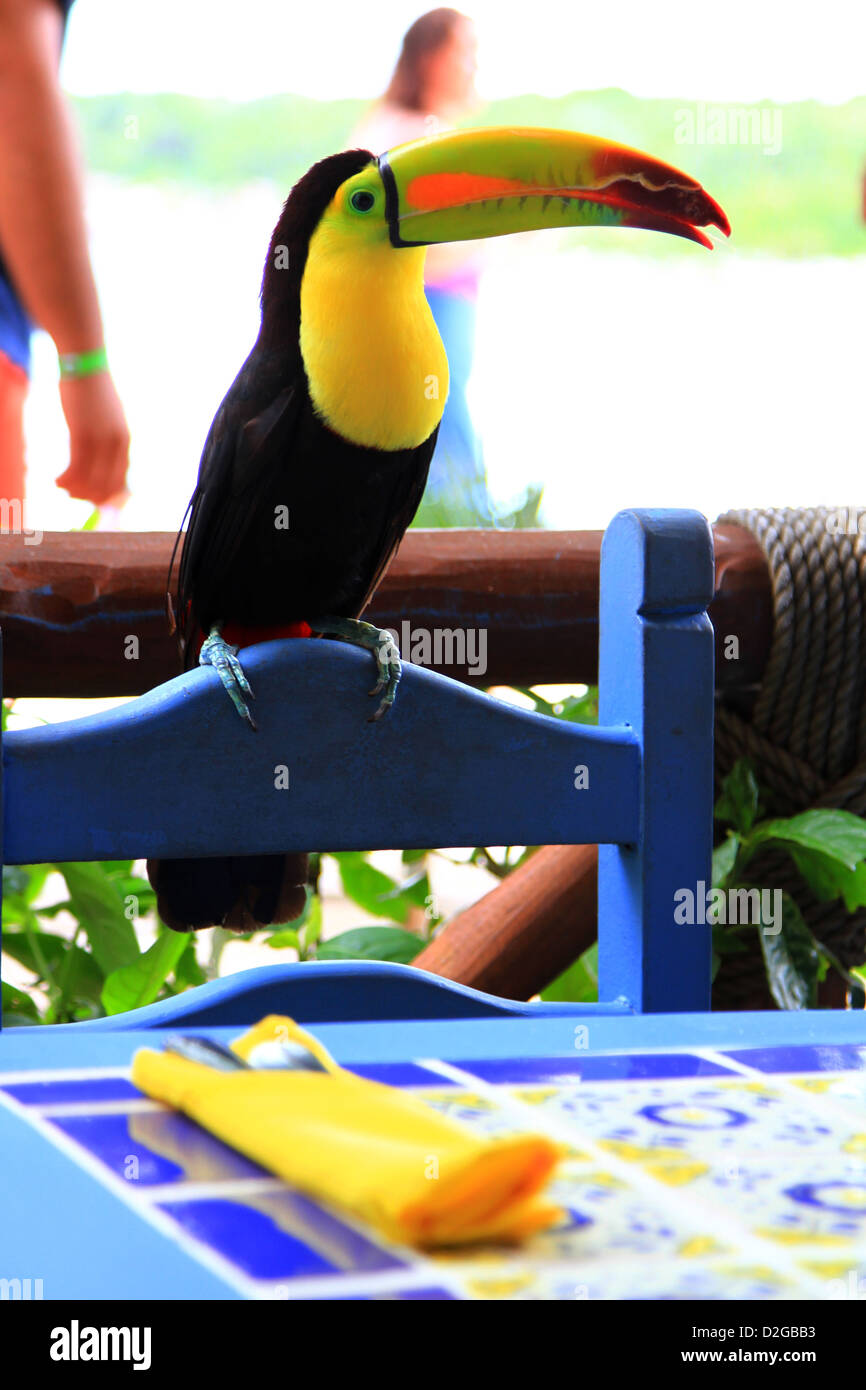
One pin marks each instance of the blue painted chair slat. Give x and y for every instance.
(656, 663)
(324, 991)
(176, 773)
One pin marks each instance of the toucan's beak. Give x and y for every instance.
(483, 183)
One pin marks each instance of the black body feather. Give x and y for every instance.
(348, 508)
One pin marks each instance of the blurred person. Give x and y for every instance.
(45, 273)
(433, 87)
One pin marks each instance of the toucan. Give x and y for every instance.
(316, 460)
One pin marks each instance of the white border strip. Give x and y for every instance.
(17, 1078)
(96, 1108)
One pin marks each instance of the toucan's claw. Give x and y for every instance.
(216, 652)
(390, 671)
(375, 639)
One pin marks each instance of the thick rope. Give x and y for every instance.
(806, 735)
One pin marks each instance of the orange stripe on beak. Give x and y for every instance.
(433, 192)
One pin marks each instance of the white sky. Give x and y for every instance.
(742, 50)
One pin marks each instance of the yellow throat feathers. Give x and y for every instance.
(374, 359)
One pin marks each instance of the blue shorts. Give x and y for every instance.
(15, 325)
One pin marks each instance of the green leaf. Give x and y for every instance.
(835, 833)
(738, 803)
(300, 938)
(414, 856)
(579, 983)
(539, 704)
(857, 977)
(577, 709)
(724, 859)
(311, 899)
(830, 961)
(139, 889)
(500, 868)
(727, 942)
(18, 1007)
(22, 884)
(16, 913)
(311, 929)
(283, 940)
(372, 943)
(188, 973)
(118, 872)
(52, 910)
(15, 880)
(116, 868)
(369, 887)
(304, 932)
(36, 877)
(415, 891)
(828, 879)
(25, 945)
(98, 906)
(134, 985)
(74, 971)
(792, 960)
(580, 709)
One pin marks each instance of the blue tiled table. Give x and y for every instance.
(710, 1156)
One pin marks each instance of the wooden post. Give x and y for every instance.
(526, 931)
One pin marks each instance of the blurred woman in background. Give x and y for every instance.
(432, 88)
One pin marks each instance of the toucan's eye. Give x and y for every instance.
(362, 200)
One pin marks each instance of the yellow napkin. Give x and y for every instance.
(372, 1150)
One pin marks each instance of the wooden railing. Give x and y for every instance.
(69, 605)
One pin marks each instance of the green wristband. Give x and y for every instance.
(74, 364)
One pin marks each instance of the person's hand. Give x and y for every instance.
(98, 440)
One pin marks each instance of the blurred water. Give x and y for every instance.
(705, 380)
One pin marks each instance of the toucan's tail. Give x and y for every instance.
(243, 893)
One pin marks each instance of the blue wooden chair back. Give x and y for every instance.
(175, 773)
